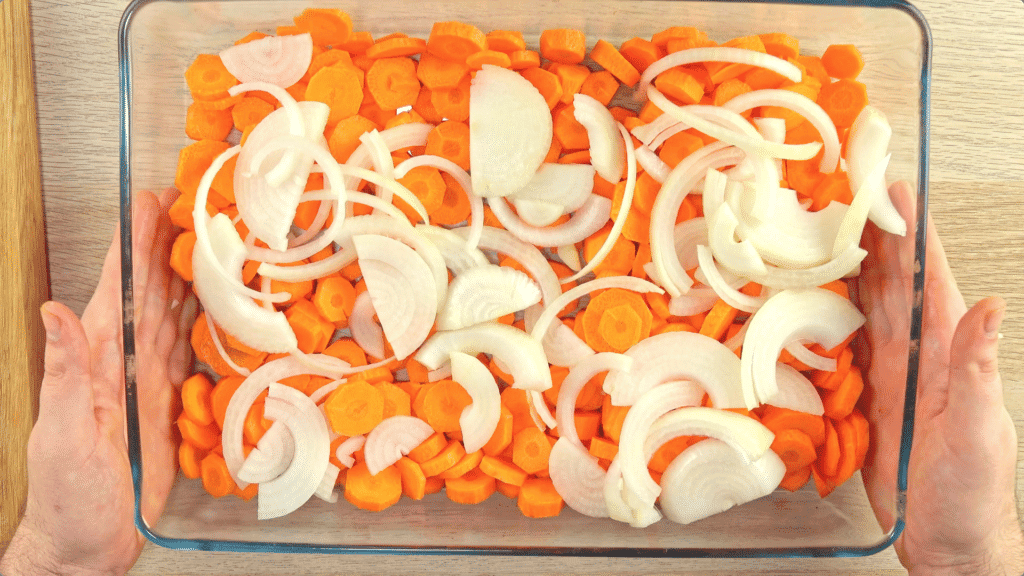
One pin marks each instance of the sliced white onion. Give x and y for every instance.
(478, 420)
(624, 208)
(616, 505)
(812, 314)
(793, 237)
(457, 254)
(356, 198)
(865, 147)
(652, 164)
(486, 293)
(277, 60)
(538, 213)
(570, 256)
(810, 359)
(476, 204)
(442, 373)
(584, 222)
(852, 227)
(718, 54)
(678, 356)
(803, 106)
(654, 133)
(711, 477)
(344, 452)
(740, 257)
(393, 438)
(696, 301)
(306, 120)
(539, 412)
(395, 138)
(795, 391)
(572, 385)
(578, 478)
(242, 370)
(561, 345)
(567, 185)
(834, 269)
(365, 331)
(745, 435)
(384, 165)
(271, 457)
(773, 130)
(400, 284)
(325, 491)
(520, 352)
(607, 150)
(509, 131)
(286, 493)
(552, 309)
(731, 296)
(639, 489)
(531, 258)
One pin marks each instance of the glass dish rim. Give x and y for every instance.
(910, 395)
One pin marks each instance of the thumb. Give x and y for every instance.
(975, 388)
(66, 394)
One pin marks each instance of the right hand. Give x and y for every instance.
(961, 513)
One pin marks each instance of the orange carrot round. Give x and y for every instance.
(354, 408)
(455, 41)
(563, 45)
(374, 493)
(539, 499)
(471, 488)
(216, 479)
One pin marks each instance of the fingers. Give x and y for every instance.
(975, 387)
(944, 305)
(66, 394)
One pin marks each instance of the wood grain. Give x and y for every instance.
(23, 279)
(977, 180)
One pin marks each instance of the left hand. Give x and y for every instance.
(80, 515)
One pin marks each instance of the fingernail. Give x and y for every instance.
(992, 321)
(51, 323)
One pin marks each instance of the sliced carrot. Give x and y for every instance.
(822, 482)
(616, 320)
(450, 140)
(848, 450)
(507, 490)
(619, 260)
(345, 137)
(718, 320)
(471, 488)
(429, 448)
(181, 254)
(354, 408)
(507, 41)
(205, 124)
(193, 161)
(762, 79)
(501, 438)
(563, 45)
(346, 349)
(842, 61)
(781, 45)
(190, 460)
(443, 404)
(795, 448)
(720, 71)
(203, 436)
(778, 419)
(254, 35)
(426, 184)
(572, 78)
(524, 59)
(530, 450)
(208, 79)
(373, 492)
(327, 26)
(603, 448)
(325, 59)
(863, 430)
(455, 207)
(334, 298)
(728, 90)
(503, 470)
(436, 72)
(341, 88)
(392, 82)
(539, 499)
(680, 85)
(547, 83)
(312, 330)
(569, 132)
(662, 38)
(414, 482)
(815, 68)
(839, 403)
(217, 479)
(465, 464)
(221, 395)
(609, 58)
(452, 103)
(796, 479)
(828, 452)
(612, 418)
(396, 401)
(664, 456)
(600, 86)
(640, 53)
(677, 147)
(455, 40)
(477, 60)
(843, 100)
(249, 112)
(396, 47)
(449, 456)
(195, 399)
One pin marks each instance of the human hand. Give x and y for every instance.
(80, 515)
(961, 515)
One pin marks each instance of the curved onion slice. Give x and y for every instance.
(639, 489)
(852, 227)
(803, 106)
(678, 356)
(570, 256)
(457, 254)
(344, 452)
(561, 345)
(746, 435)
(654, 133)
(710, 477)
(486, 293)
(300, 481)
(278, 60)
(395, 138)
(795, 391)
(400, 284)
(537, 213)
(517, 350)
(532, 259)
(718, 54)
(476, 204)
(572, 385)
(812, 314)
(810, 359)
(729, 295)
(325, 390)
(652, 164)
(627, 202)
(552, 309)
(478, 420)
(393, 438)
(740, 257)
(509, 131)
(865, 148)
(696, 301)
(834, 269)
(607, 149)
(271, 457)
(567, 185)
(325, 491)
(237, 313)
(578, 478)
(793, 237)
(365, 331)
(242, 370)
(616, 505)
(584, 222)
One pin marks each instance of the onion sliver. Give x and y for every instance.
(616, 505)
(852, 227)
(834, 269)
(746, 435)
(478, 420)
(561, 345)
(486, 293)
(300, 481)
(732, 297)
(740, 257)
(865, 147)
(539, 412)
(366, 333)
(570, 256)
(532, 259)
(384, 165)
(639, 489)
(803, 106)
(810, 359)
(572, 385)
(344, 452)
(393, 438)
(396, 137)
(457, 254)
(356, 198)
(568, 185)
(476, 204)
(584, 222)
(277, 60)
(607, 149)
(578, 478)
(236, 312)
(517, 350)
(537, 213)
(652, 164)
(795, 391)
(271, 457)
(400, 284)
(711, 477)
(718, 54)
(325, 491)
(812, 314)
(552, 309)
(696, 301)
(624, 207)
(678, 356)
(509, 131)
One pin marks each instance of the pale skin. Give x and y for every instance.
(961, 512)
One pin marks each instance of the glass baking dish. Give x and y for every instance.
(158, 39)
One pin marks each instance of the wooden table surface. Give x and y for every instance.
(977, 181)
